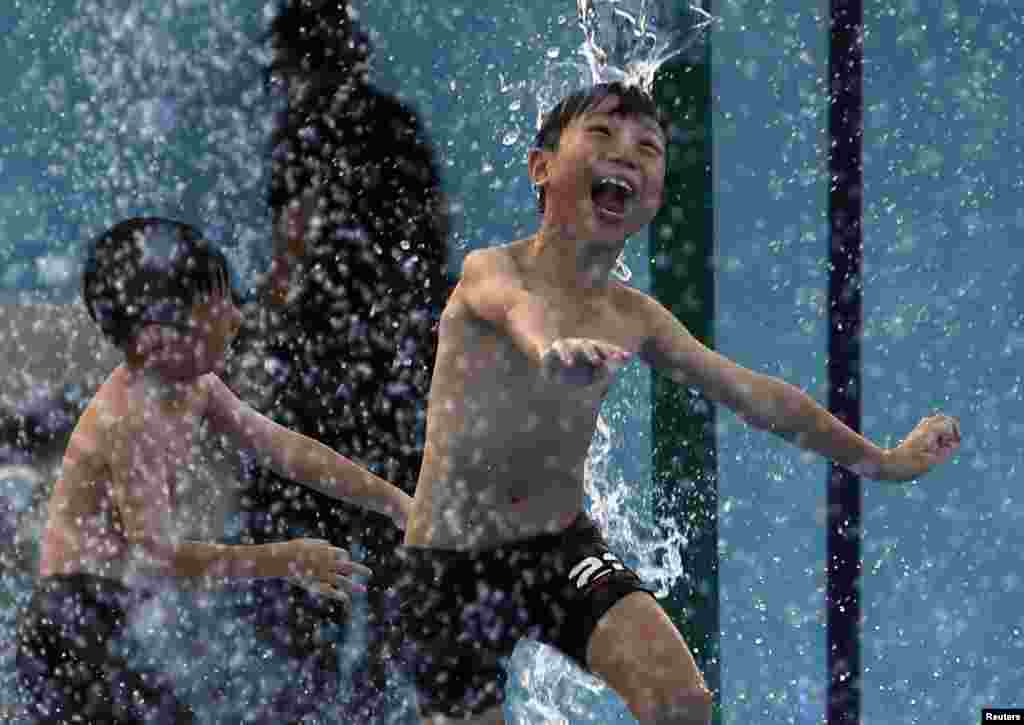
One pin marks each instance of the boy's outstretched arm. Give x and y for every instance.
(771, 404)
(303, 459)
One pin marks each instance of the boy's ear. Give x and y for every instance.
(538, 162)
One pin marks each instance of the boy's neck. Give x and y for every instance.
(167, 393)
(572, 262)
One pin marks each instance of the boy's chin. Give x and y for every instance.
(610, 229)
(614, 226)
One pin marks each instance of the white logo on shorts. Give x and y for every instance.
(591, 569)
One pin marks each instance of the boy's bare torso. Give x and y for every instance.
(85, 530)
(506, 448)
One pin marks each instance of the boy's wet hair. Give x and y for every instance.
(149, 270)
(633, 101)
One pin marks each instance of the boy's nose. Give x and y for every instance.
(621, 155)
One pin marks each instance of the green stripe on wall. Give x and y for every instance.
(682, 278)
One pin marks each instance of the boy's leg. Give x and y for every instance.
(637, 650)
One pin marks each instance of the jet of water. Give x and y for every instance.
(628, 40)
(623, 40)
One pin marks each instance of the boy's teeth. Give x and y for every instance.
(620, 183)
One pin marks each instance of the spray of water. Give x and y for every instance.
(547, 688)
(625, 41)
(628, 40)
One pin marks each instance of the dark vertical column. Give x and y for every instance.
(682, 245)
(844, 356)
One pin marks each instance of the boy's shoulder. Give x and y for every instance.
(502, 259)
(639, 309)
(99, 425)
(629, 295)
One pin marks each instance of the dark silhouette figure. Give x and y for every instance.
(344, 354)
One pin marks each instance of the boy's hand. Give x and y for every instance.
(579, 361)
(324, 569)
(933, 441)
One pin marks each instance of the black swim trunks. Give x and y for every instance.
(68, 661)
(460, 614)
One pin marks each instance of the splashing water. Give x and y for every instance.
(628, 40)
(170, 104)
(623, 40)
(549, 688)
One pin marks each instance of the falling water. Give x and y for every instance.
(623, 40)
(628, 40)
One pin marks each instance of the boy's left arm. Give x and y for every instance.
(301, 458)
(771, 404)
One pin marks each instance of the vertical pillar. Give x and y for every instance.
(684, 476)
(844, 356)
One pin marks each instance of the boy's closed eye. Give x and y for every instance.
(653, 147)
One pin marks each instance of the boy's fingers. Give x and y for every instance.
(317, 586)
(334, 592)
(354, 567)
(584, 354)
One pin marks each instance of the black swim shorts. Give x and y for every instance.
(68, 662)
(460, 614)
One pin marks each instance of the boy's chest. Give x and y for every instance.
(201, 477)
(600, 320)
(176, 440)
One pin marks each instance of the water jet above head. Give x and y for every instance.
(628, 40)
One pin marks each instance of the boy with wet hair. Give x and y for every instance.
(499, 546)
(112, 539)
(633, 101)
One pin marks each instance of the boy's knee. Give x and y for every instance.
(682, 707)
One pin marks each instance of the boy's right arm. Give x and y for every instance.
(492, 290)
(138, 475)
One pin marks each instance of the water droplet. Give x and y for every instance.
(510, 138)
(554, 52)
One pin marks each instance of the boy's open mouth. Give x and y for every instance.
(612, 195)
